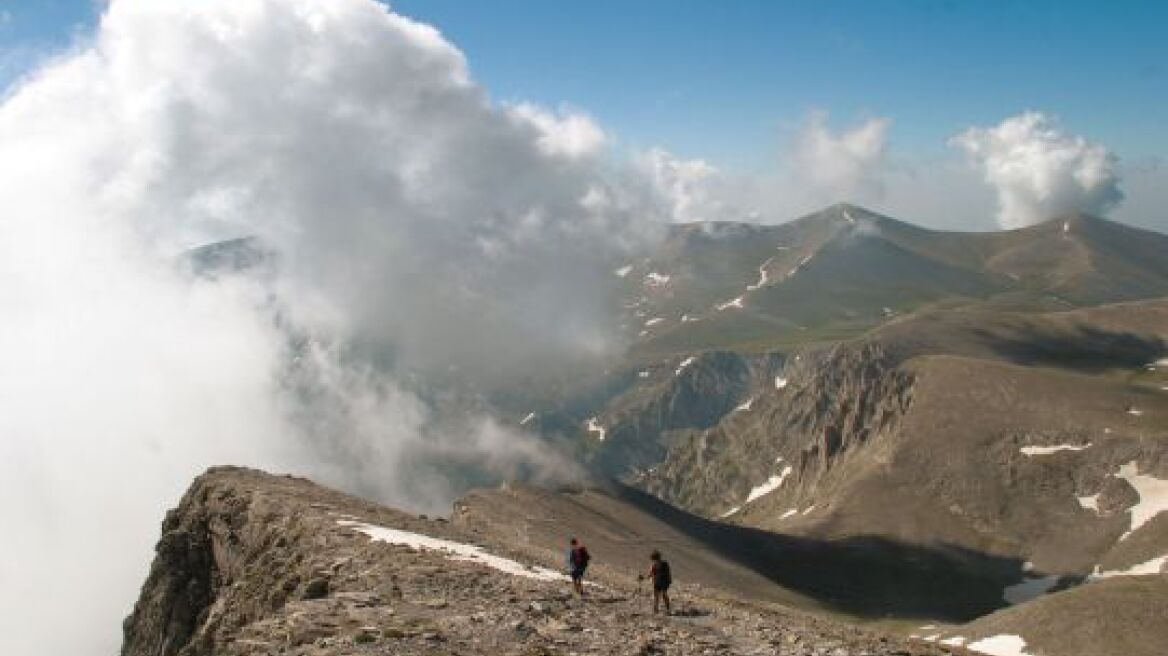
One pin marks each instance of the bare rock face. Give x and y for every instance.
(812, 416)
(678, 394)
(251, 563)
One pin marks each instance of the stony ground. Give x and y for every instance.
(255, 564)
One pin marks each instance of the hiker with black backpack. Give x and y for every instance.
(578, 558)
(662, 578)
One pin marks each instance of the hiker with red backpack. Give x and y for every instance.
(578, 558)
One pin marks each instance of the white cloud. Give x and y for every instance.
(565, 133)
(819, 167)
(690, 187)
(420, 233)
(844, 165)
(1039, 171)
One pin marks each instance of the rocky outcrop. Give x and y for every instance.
(814, 415)
(252, 564)
(232, 552)
(693, 391)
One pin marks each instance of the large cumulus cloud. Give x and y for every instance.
(1039, 171)
(418, 232)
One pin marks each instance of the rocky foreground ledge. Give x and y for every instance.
(250, 563)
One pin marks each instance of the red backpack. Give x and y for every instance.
(580, 556)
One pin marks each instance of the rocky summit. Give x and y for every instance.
(251, 563)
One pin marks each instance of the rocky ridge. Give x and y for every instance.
(250, 563)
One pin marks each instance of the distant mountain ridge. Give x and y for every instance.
(843, 270)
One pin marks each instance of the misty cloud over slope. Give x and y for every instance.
(416, 228)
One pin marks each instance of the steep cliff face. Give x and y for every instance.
(232, 552)
(792, 431)
(693, 391)
(252, 564)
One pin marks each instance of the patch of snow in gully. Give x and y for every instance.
(773, 483)
(1153, 496)
(1145, 568)
(735, 303)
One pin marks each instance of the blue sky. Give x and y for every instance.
(729, 81)
(721, 79)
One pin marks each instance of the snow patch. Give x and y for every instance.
(770, 485)
(1152, 566)
(1047, 450)
(745, 406)
(780, 382)
(643, 374)
(1000, 645)
(684, 363)
(1066, 227)
(955, 641)
(809, 509)
(1135, 411)
(654, 321)
(528, 418)
(453, 550)
(803, 262)
(654, 279)
(623, 271)
(789, 513)
(763, 276)
(1090, 503)
(731, 511)
(1031, 588)
(1153, 496)
(594, 426)
(735, 303)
